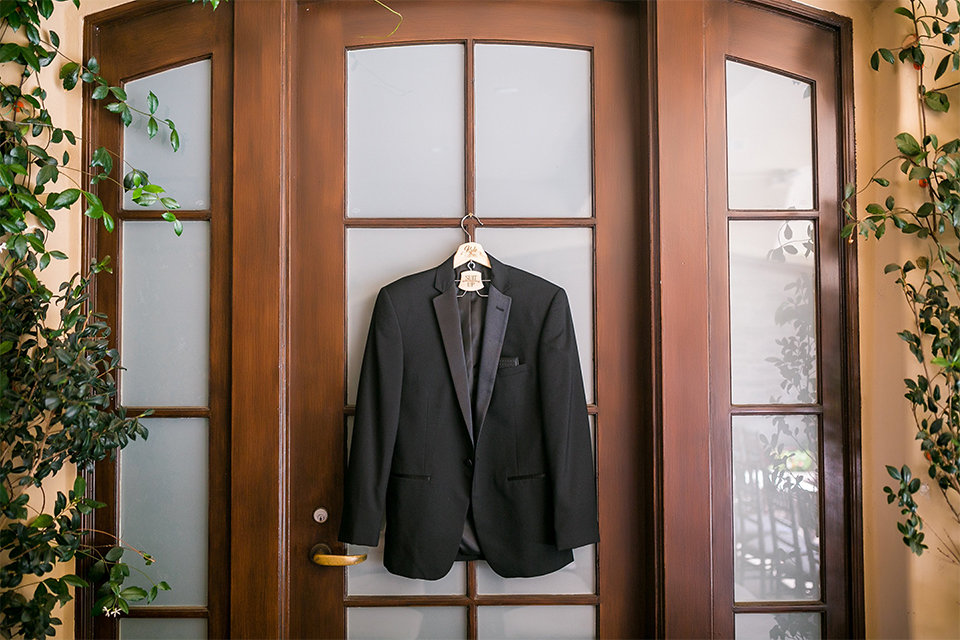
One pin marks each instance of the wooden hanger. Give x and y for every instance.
(470, 250)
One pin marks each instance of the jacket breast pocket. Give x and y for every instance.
(512, 371)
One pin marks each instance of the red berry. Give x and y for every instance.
(916, 66)
(923, 182)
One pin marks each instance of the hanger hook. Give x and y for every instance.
(464, 218)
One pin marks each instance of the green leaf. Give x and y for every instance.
(937, 101)
(4, 347)
(152, 127)
(75, 581)
(875, 209)
(108, 222)
(875, 60)
(174, 139)
(79, 486)
(9, 51)
(893, 266)
(118, 93)
(907, 144)
(42, 521)
(67, 69)
(894, 473)
(100, 92)
(115, 107)
(919, 173)
(64, 199)
(47, 173)
(116, 553)
(170, 203)
(133, 594)
(942, 67)
(102, 158)
(152, 103)
(904, 12)
(126, 117)
(887, 55)
(883, 182)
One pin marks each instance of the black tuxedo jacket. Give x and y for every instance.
(521, 455)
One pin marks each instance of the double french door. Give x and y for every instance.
(610, 147)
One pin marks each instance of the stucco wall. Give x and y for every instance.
(906, 596)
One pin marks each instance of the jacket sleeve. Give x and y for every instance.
(374, 428)
(567, 430)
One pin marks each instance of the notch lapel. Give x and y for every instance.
(448, 317)
(494, 330)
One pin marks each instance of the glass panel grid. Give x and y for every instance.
(406, 623)
(184, 94)
(533, 131)
(776, 507)
(405, 131)
(163, 506)
(769, 140)
(773, 316)
(163, 629)
(798, 625)
(577, 622)
(165, 314)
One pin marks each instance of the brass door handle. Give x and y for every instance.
(322, 554)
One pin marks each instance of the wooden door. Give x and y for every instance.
(354, 228)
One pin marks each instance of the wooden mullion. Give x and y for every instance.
(505, 600)
(420, 223)
(472, 625)
(168, 612)
(469, 131)
(787, 215)
(776, 409)
(171, 412)
(157, 215)
(779, 607)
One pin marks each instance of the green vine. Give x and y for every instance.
(931, 282)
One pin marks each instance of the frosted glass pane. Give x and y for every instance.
(184, 95)
(776, 508)
(577, 577)
(409, 251)
(564, 257)
(533, 131)
(370, 578)
(764, 626)
(165, 314)
(555, 622)
(406, 623)
(163, 506)
(773, 326)
(769, 140)
(163, 629)
(405, 119)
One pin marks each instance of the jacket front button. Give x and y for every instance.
(468, 462)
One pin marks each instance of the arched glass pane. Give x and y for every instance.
(769, 140)
(184, 94)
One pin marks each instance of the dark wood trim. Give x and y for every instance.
(171, 412)
(171, 612)
(419, 223)
(778, 607)
(155, 215)
(504, 600)
(850, 309)
(650, 197)
(775, 409)
(686, 449)
(257, 545)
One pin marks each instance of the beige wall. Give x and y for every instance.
(906, 596)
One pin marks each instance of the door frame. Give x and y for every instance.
(674, 273)
(264, 80)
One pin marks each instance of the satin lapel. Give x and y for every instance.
(494, 329)
(448, 317)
